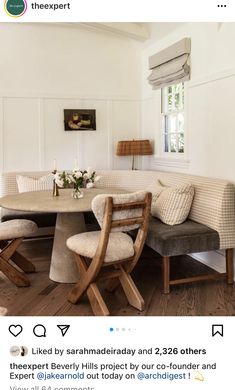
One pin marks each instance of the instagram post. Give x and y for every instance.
(117, 197)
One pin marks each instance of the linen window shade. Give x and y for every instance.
(170, 65)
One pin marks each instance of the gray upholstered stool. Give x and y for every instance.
(11, 236)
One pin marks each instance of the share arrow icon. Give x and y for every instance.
(64, 329)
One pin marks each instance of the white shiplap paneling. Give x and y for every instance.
(1, 135)
(20, 134)
(126, 126)
(32, 132)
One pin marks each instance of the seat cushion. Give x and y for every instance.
(41, 219)
(17, 228)
(188, 237)
(120, 245)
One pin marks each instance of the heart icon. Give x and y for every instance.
(15, 330)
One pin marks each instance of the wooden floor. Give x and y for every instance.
(47, 298)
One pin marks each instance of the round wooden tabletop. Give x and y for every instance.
(44, 201)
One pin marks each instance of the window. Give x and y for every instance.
(173, 119)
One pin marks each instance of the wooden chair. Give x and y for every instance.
(112, 250)
(11, 235)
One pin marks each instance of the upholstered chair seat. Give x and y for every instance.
(17, 228)
(120, 245)
(12, 234)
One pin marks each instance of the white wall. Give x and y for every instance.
(209, 109)
(210, 96)
(45, 69)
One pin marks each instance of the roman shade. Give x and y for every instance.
(170, 65)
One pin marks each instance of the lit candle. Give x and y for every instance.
(54, 165)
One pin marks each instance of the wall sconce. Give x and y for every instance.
(141, 147)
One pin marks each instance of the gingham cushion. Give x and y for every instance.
(8, 184)
(213, 203)
(171, 204)
(27, 184)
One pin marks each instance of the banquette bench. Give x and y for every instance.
(210, 225)
(8, 186)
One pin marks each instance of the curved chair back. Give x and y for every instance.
(127, 210)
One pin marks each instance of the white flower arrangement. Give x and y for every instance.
(77, 179)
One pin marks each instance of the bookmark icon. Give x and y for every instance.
(218, 329)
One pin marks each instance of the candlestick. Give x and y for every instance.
(55, 191)
(54, 165)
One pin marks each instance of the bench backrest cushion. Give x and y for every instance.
(213, 203)
(8, 183)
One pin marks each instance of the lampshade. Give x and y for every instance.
(139, 147)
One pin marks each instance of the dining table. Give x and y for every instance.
(69, 221)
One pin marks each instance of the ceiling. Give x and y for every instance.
(161, 29)
(138, 31)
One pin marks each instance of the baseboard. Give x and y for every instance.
(215, 259)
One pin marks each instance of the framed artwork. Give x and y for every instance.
(79, 120)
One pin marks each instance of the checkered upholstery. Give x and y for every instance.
(213, 204)
(8, 184)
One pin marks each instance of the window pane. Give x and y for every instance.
(169, 103)
(172, 123)
(173, 118)
(173, 143)
(178, 88)
(181, 143)
(181, 122)
(177, 101)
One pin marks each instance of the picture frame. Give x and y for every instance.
(79, 120)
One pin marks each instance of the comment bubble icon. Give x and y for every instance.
(39, 330)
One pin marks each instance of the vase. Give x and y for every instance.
(77, 193)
